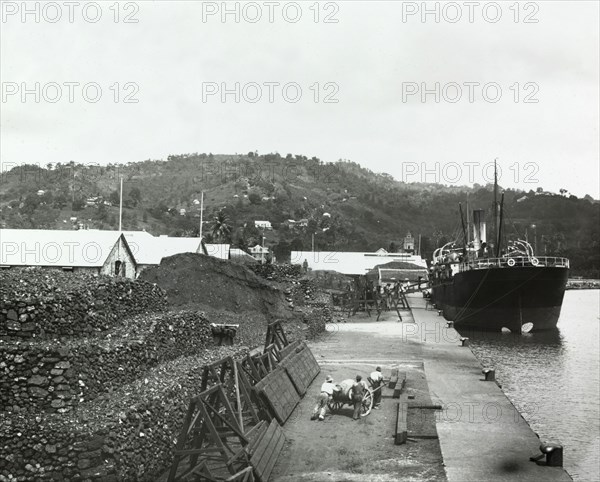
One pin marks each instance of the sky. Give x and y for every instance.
(424, 91)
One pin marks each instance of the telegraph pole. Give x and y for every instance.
(201, 212)
(121, 206)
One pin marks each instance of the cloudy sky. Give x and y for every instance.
(423, 95)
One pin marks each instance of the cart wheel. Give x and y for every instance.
(367, 403)
(335, 406)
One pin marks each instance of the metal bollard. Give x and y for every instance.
(449, 324)
(489, 374)
(553, 452)
(465, 341)
(440, 312)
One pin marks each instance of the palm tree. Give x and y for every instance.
(221, 230)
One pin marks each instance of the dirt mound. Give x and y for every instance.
(196, 280)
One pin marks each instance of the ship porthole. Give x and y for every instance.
(527, 327)
(510, 262)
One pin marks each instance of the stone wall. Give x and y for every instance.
(37, 303)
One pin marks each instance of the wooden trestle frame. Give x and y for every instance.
(219, 423)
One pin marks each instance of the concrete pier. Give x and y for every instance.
(482, 436)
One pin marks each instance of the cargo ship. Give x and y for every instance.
(484, 286)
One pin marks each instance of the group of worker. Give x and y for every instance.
(355, 393)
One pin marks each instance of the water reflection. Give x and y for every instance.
(553, 378)
(540, 338)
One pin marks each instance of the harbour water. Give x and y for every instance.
(554, 379)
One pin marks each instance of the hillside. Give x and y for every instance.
(347, 206)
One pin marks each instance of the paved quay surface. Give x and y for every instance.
(482, 437)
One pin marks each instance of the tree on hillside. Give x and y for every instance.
(114, 198)
(136, 195)
(221, 230)
(254, 198)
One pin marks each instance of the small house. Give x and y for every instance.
(263, 225)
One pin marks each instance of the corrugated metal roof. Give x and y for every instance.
(151, 249)
(60, 248)
(220, 251)
(351, 263)
(236, 253)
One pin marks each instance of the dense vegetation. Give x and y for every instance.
(345, 206)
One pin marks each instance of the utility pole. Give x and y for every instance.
(121, 206)
(201, 212)
(313, 242)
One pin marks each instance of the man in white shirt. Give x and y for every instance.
(327, 390)
(376, 379)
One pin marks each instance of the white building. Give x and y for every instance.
(351, 263)
(263, 225)
(99, 252)
(259, 253)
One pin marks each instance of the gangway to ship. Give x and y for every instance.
(417, 287)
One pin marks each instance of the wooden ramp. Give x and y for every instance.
(266, 450)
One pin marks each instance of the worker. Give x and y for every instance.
(376, 380)
(327, 390)
(358, 393)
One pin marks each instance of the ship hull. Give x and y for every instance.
(495, 298)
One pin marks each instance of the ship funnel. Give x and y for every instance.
(479, 228)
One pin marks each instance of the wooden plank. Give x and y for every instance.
(244, 475)
(291, 349)
(393, 379)
(401, 431)
(266, 456)
(254, 436)
(263, 451)
(399, 386)
(276, 450)
(263, 446)
(263, 463)
(302, 369)
(279, 393)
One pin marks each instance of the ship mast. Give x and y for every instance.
(462, 220)
(468, 224)
(495, 211)
(500, 226)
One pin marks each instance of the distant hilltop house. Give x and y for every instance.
(99, 252)
(259, 253)
(93, 201)
(263, 225)
(521, 199)
(409, 243)
(303, 223)
(182, 212)
(41, 192)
